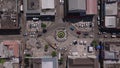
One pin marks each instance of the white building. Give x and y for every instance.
(47, 4)
(110, 22)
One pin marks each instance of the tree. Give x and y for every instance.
(2, 60)
(61, 61)
(54, 53)
(43, 25)
(94, 43)
(46, 47)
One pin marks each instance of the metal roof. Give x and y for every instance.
(110, 21)
(76, 5)
(47, 4)
(91, 7)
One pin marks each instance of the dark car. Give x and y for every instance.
(44, 30)
(72, 28)
(78, 32)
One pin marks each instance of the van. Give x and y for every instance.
(113, 36)
(35, 19)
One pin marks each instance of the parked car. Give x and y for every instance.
(61, 1)
(105, 36)
(78, 32)
(72, 28)
(44, 30)
(25, 34)
(98, 23)
(113, 36)
(99, 33)
(35, 19)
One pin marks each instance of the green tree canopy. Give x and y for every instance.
(43, 25)
(94, 43)
(54, 53)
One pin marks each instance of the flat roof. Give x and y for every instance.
(47, 4)
(110, 21)
(83, 63)
(76, 5)
(9, 14)
(32, 6)
(111, 8)
(47, 64)
(91, 7)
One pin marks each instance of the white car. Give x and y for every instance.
(35, 18)
(98, 22)
(113, 36)
(61, 1)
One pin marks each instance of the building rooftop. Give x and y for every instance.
(82, 63)
(112, 50)
(111, 8)
(9, 49)
(8, 14)
(47, 4)
(111, 64)
(77, 5)
(109, 55)
(110, 22)
(91, 7)
(45, 62)
(32, 6)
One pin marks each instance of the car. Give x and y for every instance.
(84, 42)
(113, 36)
(104, 32)
(32, 33)
(86, 33)
(91, 36)
(35, 19)
(98, 22)
(98, 18)
(44, 30)
(92, 24)
(61, 1)
(25, 34)
(81, 42)
(105, 36)
(32, 36)
(99, 33)
(78, 32)
(33, 25)
(75, 42)
(98, 7)
(72, 28)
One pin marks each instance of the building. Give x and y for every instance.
(109, 1)
(42, 9)
(111, 64)
(9, 15)
(111, 9)
(82, 63)
(44, 62)
(111, 54)
(78, 9)
(47, 4)
(32, 8)
(110, 22)
(111, 50)
(76, 6)
(91, 7)
(9, 49)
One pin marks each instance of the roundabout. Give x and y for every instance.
(61, 34)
